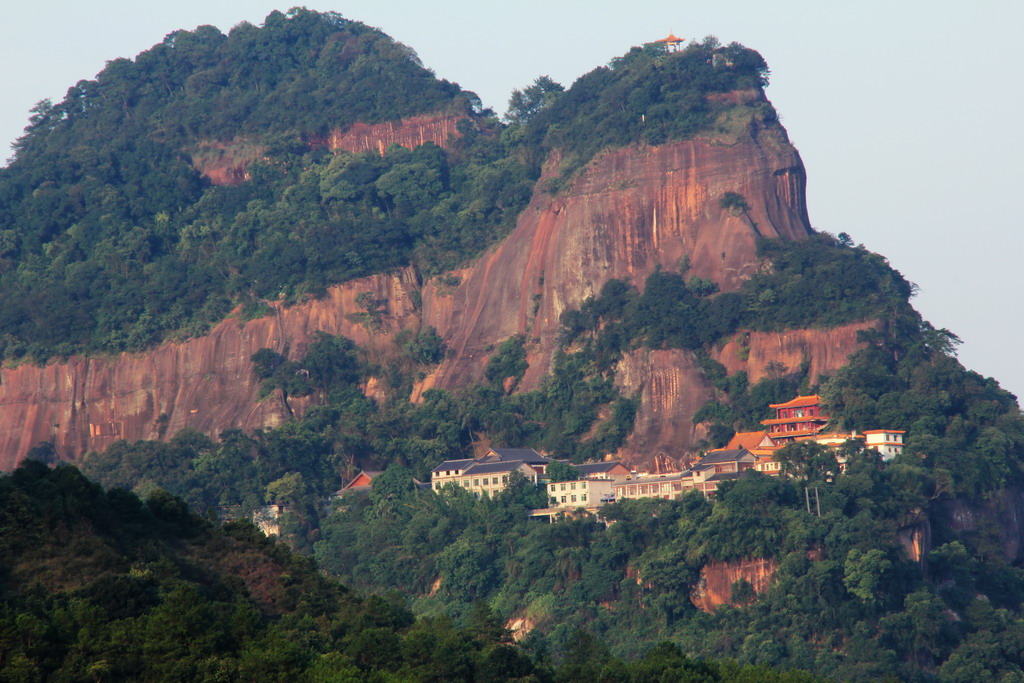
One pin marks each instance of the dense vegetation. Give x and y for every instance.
(102, 586)
(847, 602)
(111, 240)
(647, 95)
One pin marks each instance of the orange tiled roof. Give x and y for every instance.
(798, 402)
(793, 435)
(746, 440)
(672, 38)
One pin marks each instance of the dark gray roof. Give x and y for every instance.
(722, 476)
(525, 454)
(596, 467)
(454, 465)
(740, 454)
(677, 476)
(492, 467)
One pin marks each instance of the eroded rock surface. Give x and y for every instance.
(717, 578)
(631, 211)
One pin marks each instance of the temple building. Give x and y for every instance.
(800, 417)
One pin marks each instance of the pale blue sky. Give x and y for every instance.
(907, 114)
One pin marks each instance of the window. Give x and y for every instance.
(563, 499)
(572, 486)
(583, 484)
(553, 487)
(494, 481)
(504, 480)
(574, 498)
(476, 482)
(553, 501)
(563, 487)
(583, 497)
(465, 483)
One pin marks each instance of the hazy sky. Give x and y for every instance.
(907, 113)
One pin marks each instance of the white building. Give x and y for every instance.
(888, 442)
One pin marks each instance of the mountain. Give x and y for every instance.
(632, 198)
(224, 277)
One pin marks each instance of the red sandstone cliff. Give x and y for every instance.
(717, 578)
(630, 211)
(227, 163)
(411, 132)
(205, 384)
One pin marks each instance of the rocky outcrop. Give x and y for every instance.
(227, 163)
(671, 388)
(760, 354)
(715, 587)
(997, 520)
(916, 540)
(411, 132)
(631, 211)
(205, 384)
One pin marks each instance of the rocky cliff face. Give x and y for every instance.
(411, 132)
(633, 210)
(227, 163)
(205, 384)
(629, 212)
(714, 588)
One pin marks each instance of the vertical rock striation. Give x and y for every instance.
(631, 211)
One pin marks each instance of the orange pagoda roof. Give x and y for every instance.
(671, 38)
(798, 402)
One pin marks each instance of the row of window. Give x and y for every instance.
(648, 489)
(572, 486)
(487, 481)
(572, 499)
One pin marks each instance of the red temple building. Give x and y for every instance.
(800, 417)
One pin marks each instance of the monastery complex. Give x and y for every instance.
(597, 484)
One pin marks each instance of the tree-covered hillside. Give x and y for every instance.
(111, 239)
(102, 586)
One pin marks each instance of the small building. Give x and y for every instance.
(580, 493)
(668, 486)
(449, 471)
(672, 42)
(531, 457)
(800, 417)
(490, 474)
(888, 442)
(611, 471)
(362, 482)
(750, 441)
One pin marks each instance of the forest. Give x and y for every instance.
(104, 586)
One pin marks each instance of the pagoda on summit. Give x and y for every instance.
(671, 42)
(800, 417)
